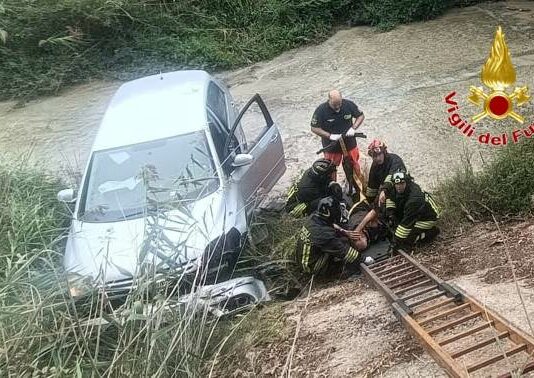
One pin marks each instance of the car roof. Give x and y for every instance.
(155, 107)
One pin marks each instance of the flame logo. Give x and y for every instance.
(498, 73)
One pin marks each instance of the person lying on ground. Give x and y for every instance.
(383, 166)
(369, 231)
(410, 212)
(322, 242)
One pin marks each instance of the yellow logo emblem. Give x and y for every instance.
(498, 74)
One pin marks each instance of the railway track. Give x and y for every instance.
(466, 338)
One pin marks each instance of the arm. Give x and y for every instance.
(316, 123)
(357, 116)
(370, 216)
(320, 132)
(373, 185)
(340, 247)
(358, 121)
(391, 208)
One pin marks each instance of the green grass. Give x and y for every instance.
(44, 332)
(42, 328)
(30, 215)
(504, 187)
(47, 45)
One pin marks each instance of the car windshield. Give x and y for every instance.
(122, 181)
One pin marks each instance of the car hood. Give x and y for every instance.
(115, 250)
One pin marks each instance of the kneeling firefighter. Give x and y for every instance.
(411, 213)
(304, 195)
(322, 241)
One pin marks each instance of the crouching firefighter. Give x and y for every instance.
(411, 213)
(322, 242)
(304, 195)
(384, 165)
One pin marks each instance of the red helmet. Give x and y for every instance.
(376, 147)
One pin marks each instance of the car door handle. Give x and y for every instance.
(274, 138)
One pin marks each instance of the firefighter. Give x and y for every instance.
(322, 241)
(384, 165)
(335, 119)
(313, 185)
(411, 213)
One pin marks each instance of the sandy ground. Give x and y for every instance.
(399, 79)
(347, 329)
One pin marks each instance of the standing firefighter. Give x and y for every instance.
(321, 241)
(313, 185)
(383, 167)
(410, 212)
(336, 119)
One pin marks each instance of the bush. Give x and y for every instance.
(504, 187)
(46, 333)
(30, 216)
(46, 45)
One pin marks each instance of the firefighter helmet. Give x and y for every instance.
(335, 190)
(329, 209)
(322, 167)
(376, 147)
(401, 176)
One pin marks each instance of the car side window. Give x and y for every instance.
(254, 124)
(219, 135)
(217, 103)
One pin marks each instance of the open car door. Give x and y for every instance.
(261, 164)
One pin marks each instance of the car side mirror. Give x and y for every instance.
(241, 160)
(67, 196)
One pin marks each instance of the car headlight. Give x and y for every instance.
(79, 285)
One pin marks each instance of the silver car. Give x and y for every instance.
(173, 178)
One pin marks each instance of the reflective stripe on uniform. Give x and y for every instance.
(352, 255)
(292, 191)
(298, 210)
(371, 192)
(433, 204)
(306, 257)
(425, 225)
(306, 248)
(390, 204)
(402, 232)
(320, 263)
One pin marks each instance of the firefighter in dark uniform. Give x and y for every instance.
(411, 213)
(322, 242)
(383, 167)
(331, 120)
(313, 185)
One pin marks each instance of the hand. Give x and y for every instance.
(354, 235)
(381, 198)
(335, 137)
(350, 132)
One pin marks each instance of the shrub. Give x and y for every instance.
(46, 45)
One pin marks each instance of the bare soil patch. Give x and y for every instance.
(484, 248)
